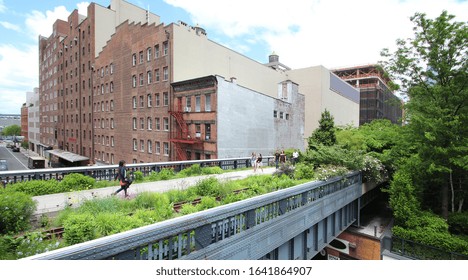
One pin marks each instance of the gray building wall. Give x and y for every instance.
(246, 123)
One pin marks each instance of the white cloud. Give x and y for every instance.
(2, 7)
(304, 33)
(83, 8)
(10, 26)
(20, 62)
(38, 23)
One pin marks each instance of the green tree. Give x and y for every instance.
(431, 69)
(325, 133)
(12, 130)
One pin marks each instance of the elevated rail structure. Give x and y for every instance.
(293, 223)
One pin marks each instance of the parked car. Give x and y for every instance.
(15, 149)
(3, 165)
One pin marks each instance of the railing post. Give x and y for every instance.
(235, 164)
(202, 236)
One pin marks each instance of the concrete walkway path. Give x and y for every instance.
(48, 204)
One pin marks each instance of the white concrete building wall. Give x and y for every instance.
(314, 83)
(32, 98)
(246, 123)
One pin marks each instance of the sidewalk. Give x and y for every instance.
(48, 204)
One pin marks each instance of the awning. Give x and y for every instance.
(71, 157)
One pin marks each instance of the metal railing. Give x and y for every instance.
(418, 251)
(202, 234)
(108, 172)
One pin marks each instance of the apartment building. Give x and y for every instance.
(377, 100)
(218, 118)
(111, 83)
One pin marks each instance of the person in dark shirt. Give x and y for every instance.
(122, 177)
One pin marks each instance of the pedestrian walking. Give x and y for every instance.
(277, 156)
(253, 161)
(295, 157)
(125, 182)
(259, 162)
(282, 157)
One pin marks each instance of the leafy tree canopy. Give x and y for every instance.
(12, 130)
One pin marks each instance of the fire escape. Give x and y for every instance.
(181, 137)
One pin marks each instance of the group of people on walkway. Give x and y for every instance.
(280, 158)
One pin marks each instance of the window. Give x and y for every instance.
(134, 123)
(281, 115)
(150, 147)
(134, 101)
(112, 123)
(142, 145)
(188, 102)
(150, 100)
(197, 103)
(156, 73)
(148, 54)
(208, 103)
(135, 147)
(134, 60)
(142, 81)
(287, 116)
(275, 114)
(158, 148)
(166, 48)
(158, 124)
(134, 81)
(166, 148)
(149, 75)
(207, 131)
(112, 141)
(166, 124)
(142, 123)
(112, 105)
(141, 57)
(156, 51)
(150, 123)
(112, 68)
(158, 100)
(166, 99)
(197, 130)
(165, 74)
(111, 86)
(142, 102)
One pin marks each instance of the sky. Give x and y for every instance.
(332, 33)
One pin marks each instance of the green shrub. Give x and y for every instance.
(188, 208)
(193, 170)
(326, 172)
(208, 187)
(304, 171)
(458, 223)
(76, 182)
(285, 169)
(157, 202)
(166, 174)
(212, 170)
(33, 243)
(148, 216)
(36, 187)
(112, 223)
(7, 247)
(138, 176)
(441, 240)
(104, 205)
(16, 210)
(207, 203)
(79, 227)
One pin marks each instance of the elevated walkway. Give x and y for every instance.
(52, 203)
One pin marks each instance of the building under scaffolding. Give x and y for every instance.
(377, 101)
